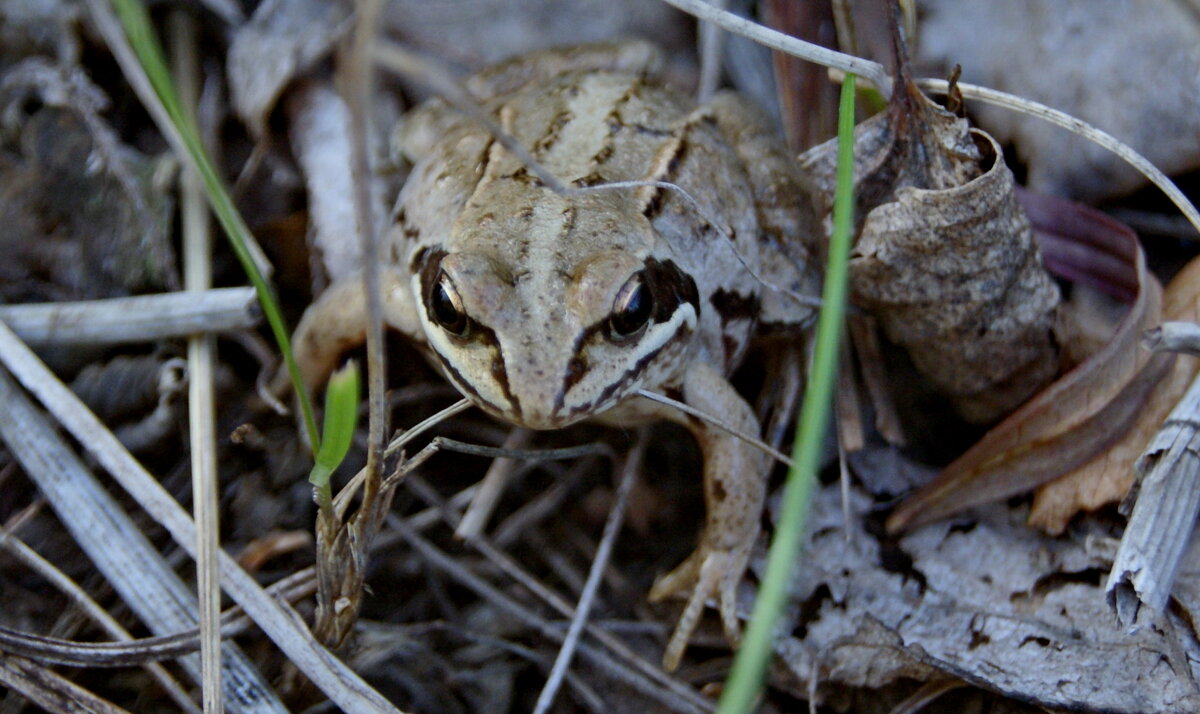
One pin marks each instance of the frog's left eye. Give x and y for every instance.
(446, 308)
(631, 309)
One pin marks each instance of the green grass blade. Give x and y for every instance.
(745, 680)
(149, 52)
(341, 419)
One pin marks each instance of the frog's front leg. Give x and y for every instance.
(735, 475)
(337, 322)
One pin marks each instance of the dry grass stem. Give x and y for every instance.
(197, 277)
(655, 684)
(872, 71)
(280, 623)
(491, 487)
(144, 318)
(79, 597)
(1174, 337)
(50, 690)
(612, 526)
(710, 419)
(114, 543)
(711, 42)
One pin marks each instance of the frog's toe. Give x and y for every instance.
(706, 573)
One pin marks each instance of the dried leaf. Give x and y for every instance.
(945, 259)
(1109, 476)
(1082, 414)
(282, 41)
(995, 603)
(955, 277)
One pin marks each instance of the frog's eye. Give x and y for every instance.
(631, 309)
(446, 308)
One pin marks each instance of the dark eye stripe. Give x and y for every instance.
(626, 377)
(670, 287)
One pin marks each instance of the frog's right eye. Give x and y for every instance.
(446, 307)
(631, 309)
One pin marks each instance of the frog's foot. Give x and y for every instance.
(709, 571)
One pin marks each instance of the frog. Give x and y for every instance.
(688, 231)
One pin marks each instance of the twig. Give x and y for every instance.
(280, 622)
(711, 41)
(1174, 337)
(646, 669)
(145, 318)
(714, 421)
(197, 276)
(872, 71)
(676, 697)
(342, 501)
(146, 650)
(612, 526)
(50, 690)
(491, 487)
(113, 542)
(57, 578)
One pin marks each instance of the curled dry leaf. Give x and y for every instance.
(945, 259)
(1108, 476)
(1082, 414)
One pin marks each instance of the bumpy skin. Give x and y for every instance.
(538, 276)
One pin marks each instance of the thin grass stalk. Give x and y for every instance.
(149, 53)
(197, 276)
(745, 680)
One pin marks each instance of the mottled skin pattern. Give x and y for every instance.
(547, 309)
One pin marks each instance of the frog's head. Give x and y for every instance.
(556, 341)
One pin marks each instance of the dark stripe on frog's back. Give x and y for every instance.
(658, 198)
(635, 133)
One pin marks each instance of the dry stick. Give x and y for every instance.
(359, 82)
(649, 670)
(58, 579)
(683, 696)
(872, 71)
(612, 526)
(50, 690)
(711, 46)
(144, 318)
(1174, 337)
(714, 421)
(342, 544)
(491, 487)
(119, 550)
(197, 276)
(146, 650)
(341, 502)
(280, 622)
